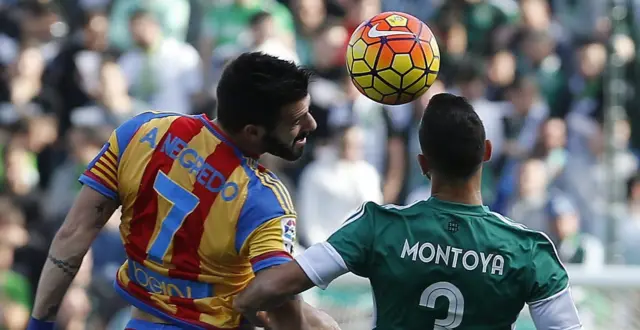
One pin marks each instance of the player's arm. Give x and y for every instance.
(92, 208)
(550, 302)
(346, 250)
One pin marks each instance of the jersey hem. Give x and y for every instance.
(155, 312)
(555, 295)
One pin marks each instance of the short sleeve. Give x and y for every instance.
(266, 229)
(102, 173)
(271, 244)
(354, 240)
(547, 274)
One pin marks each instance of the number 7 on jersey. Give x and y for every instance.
(183, 203)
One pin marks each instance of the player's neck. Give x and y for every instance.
(237, 142)
(463, 193)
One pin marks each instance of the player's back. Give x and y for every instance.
(444, 265)
(198, 217)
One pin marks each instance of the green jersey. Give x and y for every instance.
(442, 265)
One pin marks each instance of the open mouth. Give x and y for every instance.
(301, 139)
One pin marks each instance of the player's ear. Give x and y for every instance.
(253, 132)
(424, 164)
(488, 149)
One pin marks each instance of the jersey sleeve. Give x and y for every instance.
(354, 240)
(547, 275)
(556, 312)
(266, 230)
(102, 172)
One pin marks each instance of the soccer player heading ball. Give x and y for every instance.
(200, 216)
(444, 263)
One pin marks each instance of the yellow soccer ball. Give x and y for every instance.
(393, 58)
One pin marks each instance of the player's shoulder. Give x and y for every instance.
(384, 212)
(267, 197)
(519, 232)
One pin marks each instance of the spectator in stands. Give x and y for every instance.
(538, 57)
(328, 42)
(524, 114)
(226, 31)
(112, 105)
(76, 305)
(309, 16)
(75, 72)
(150, 78)
(574, 247)
(84, 143)
(529, 205)
(15, 289)
(551, 146)
(334, 185)
(501, 73)
(27, 96)
(266, 40)
(384, 129)
(172, 17)
(586, 178)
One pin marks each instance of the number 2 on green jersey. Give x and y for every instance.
(455, 300)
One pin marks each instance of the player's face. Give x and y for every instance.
(288, 139)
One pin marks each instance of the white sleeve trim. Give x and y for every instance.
(322, 264)
(557, 312)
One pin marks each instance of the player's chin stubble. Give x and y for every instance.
(283, 150)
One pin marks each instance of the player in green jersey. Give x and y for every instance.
(444, 263)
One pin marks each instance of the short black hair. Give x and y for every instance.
(452, 137)
(255, 86)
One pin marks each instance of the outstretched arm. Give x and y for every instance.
(272, 288)
(89, 213)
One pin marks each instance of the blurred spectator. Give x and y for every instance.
(487, 23)
(587, 177)
(309, 16)
(84, 144)
(501, 73)
(266, 40)
(15, 290)
(226, 31)
(27, 95)
(327, 47)
(574, 247)
(339, 177)
(75, 72)
(384, 128)
(163, 72)
(551, 146)
(524, 114)
(113, 105)
(530, 202)
(172, 16)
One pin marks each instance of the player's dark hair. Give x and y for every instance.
(255, 87)
(452, 137)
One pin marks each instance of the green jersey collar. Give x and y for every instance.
(457, 207)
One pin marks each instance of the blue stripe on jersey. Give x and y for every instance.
(269, 262)
(126, 131)
(260, 206)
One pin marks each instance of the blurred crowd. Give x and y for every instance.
(72, 70)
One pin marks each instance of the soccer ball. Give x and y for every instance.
(393, 58)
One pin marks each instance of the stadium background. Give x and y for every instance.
(555, 82)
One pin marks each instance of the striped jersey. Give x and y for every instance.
(198, 217)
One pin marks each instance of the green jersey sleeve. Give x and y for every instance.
(354, 240)
(547, 274)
